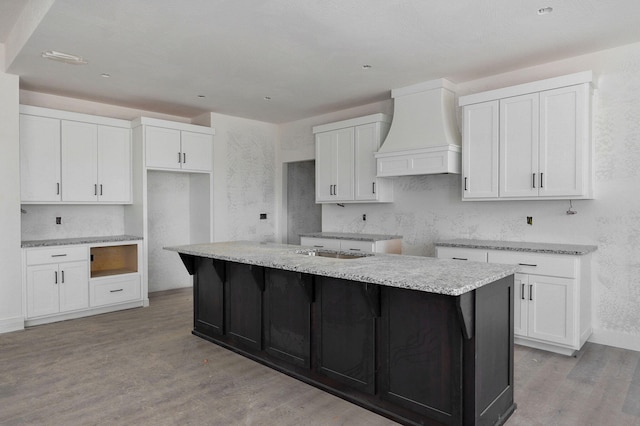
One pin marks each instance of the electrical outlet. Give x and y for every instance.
(364, 217)
(263, 215)
(529, 220)
(58, 220)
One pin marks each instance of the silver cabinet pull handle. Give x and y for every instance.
(55, 280)
(459, 258)
(465, 183)
(58, 188)
(522, 292)
(184, 158)
(62, 277)
(179, 158)
(527, 264)
(530, 291)
(354, 249)
(373, 188)
(59, 255)
(533, 180)
(95, 189)
(115, 291)
(100, 189)
(318, 246)
(541, 180)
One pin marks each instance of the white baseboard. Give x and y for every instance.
(616, 339)
(11, 324)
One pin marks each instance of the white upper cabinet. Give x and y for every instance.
(480, 145)
(345, 162)
(74, 158)
(542, 146)
(169, 147)
(334, 166)
(114, 164)
(79, 161)
(39, 159)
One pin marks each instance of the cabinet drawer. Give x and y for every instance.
(537, 263)
(326, 243)
(475, 255)
(351, 245)
(114, 290)
(56, 255)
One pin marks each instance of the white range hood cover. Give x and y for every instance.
(424, 136)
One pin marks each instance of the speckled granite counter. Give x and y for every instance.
(570, 249)
(411, 272)
(80, 240)
(352, 236)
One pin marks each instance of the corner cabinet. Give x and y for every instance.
(345, 162)
(74, 158)
(531, 141)
(552, 295)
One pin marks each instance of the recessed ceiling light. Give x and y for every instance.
(367, 67)
(105, 75)
(545, 11)
(267, 98)
(64, 57)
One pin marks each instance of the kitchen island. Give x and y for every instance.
(419, 340)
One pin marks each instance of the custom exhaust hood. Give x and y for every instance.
(424, 137)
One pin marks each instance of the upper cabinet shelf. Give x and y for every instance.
(345, 162)
(531, 141)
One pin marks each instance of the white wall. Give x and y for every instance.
(244, 158)
(10, 255)
(428, 208)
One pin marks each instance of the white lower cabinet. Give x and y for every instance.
(65, 282)
(552, 295)
(393, 246)
(54, 287)
(107, 291)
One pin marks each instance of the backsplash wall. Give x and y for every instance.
(39, 223)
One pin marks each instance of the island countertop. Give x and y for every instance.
(427, 274)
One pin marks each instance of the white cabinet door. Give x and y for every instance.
(520, 304)
(162, 148)
(564, 118)
(519, 128)
(42, 290)
(114, 164)
(551, 314)
(197, 151)
(480, 150)
(366, 142)
(325, 166)
(39, 159)
(344, 189)
(73, 286)
(79, 161)
(334, 165)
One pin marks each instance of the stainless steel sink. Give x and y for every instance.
(333, 254)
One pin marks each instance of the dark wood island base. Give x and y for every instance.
(416, 357)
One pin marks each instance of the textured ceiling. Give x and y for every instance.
(306, 55)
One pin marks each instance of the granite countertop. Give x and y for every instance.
(79, 240)
(352, 236)
(550, 248)
(428, 274)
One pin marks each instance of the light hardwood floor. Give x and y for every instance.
(143, 367)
